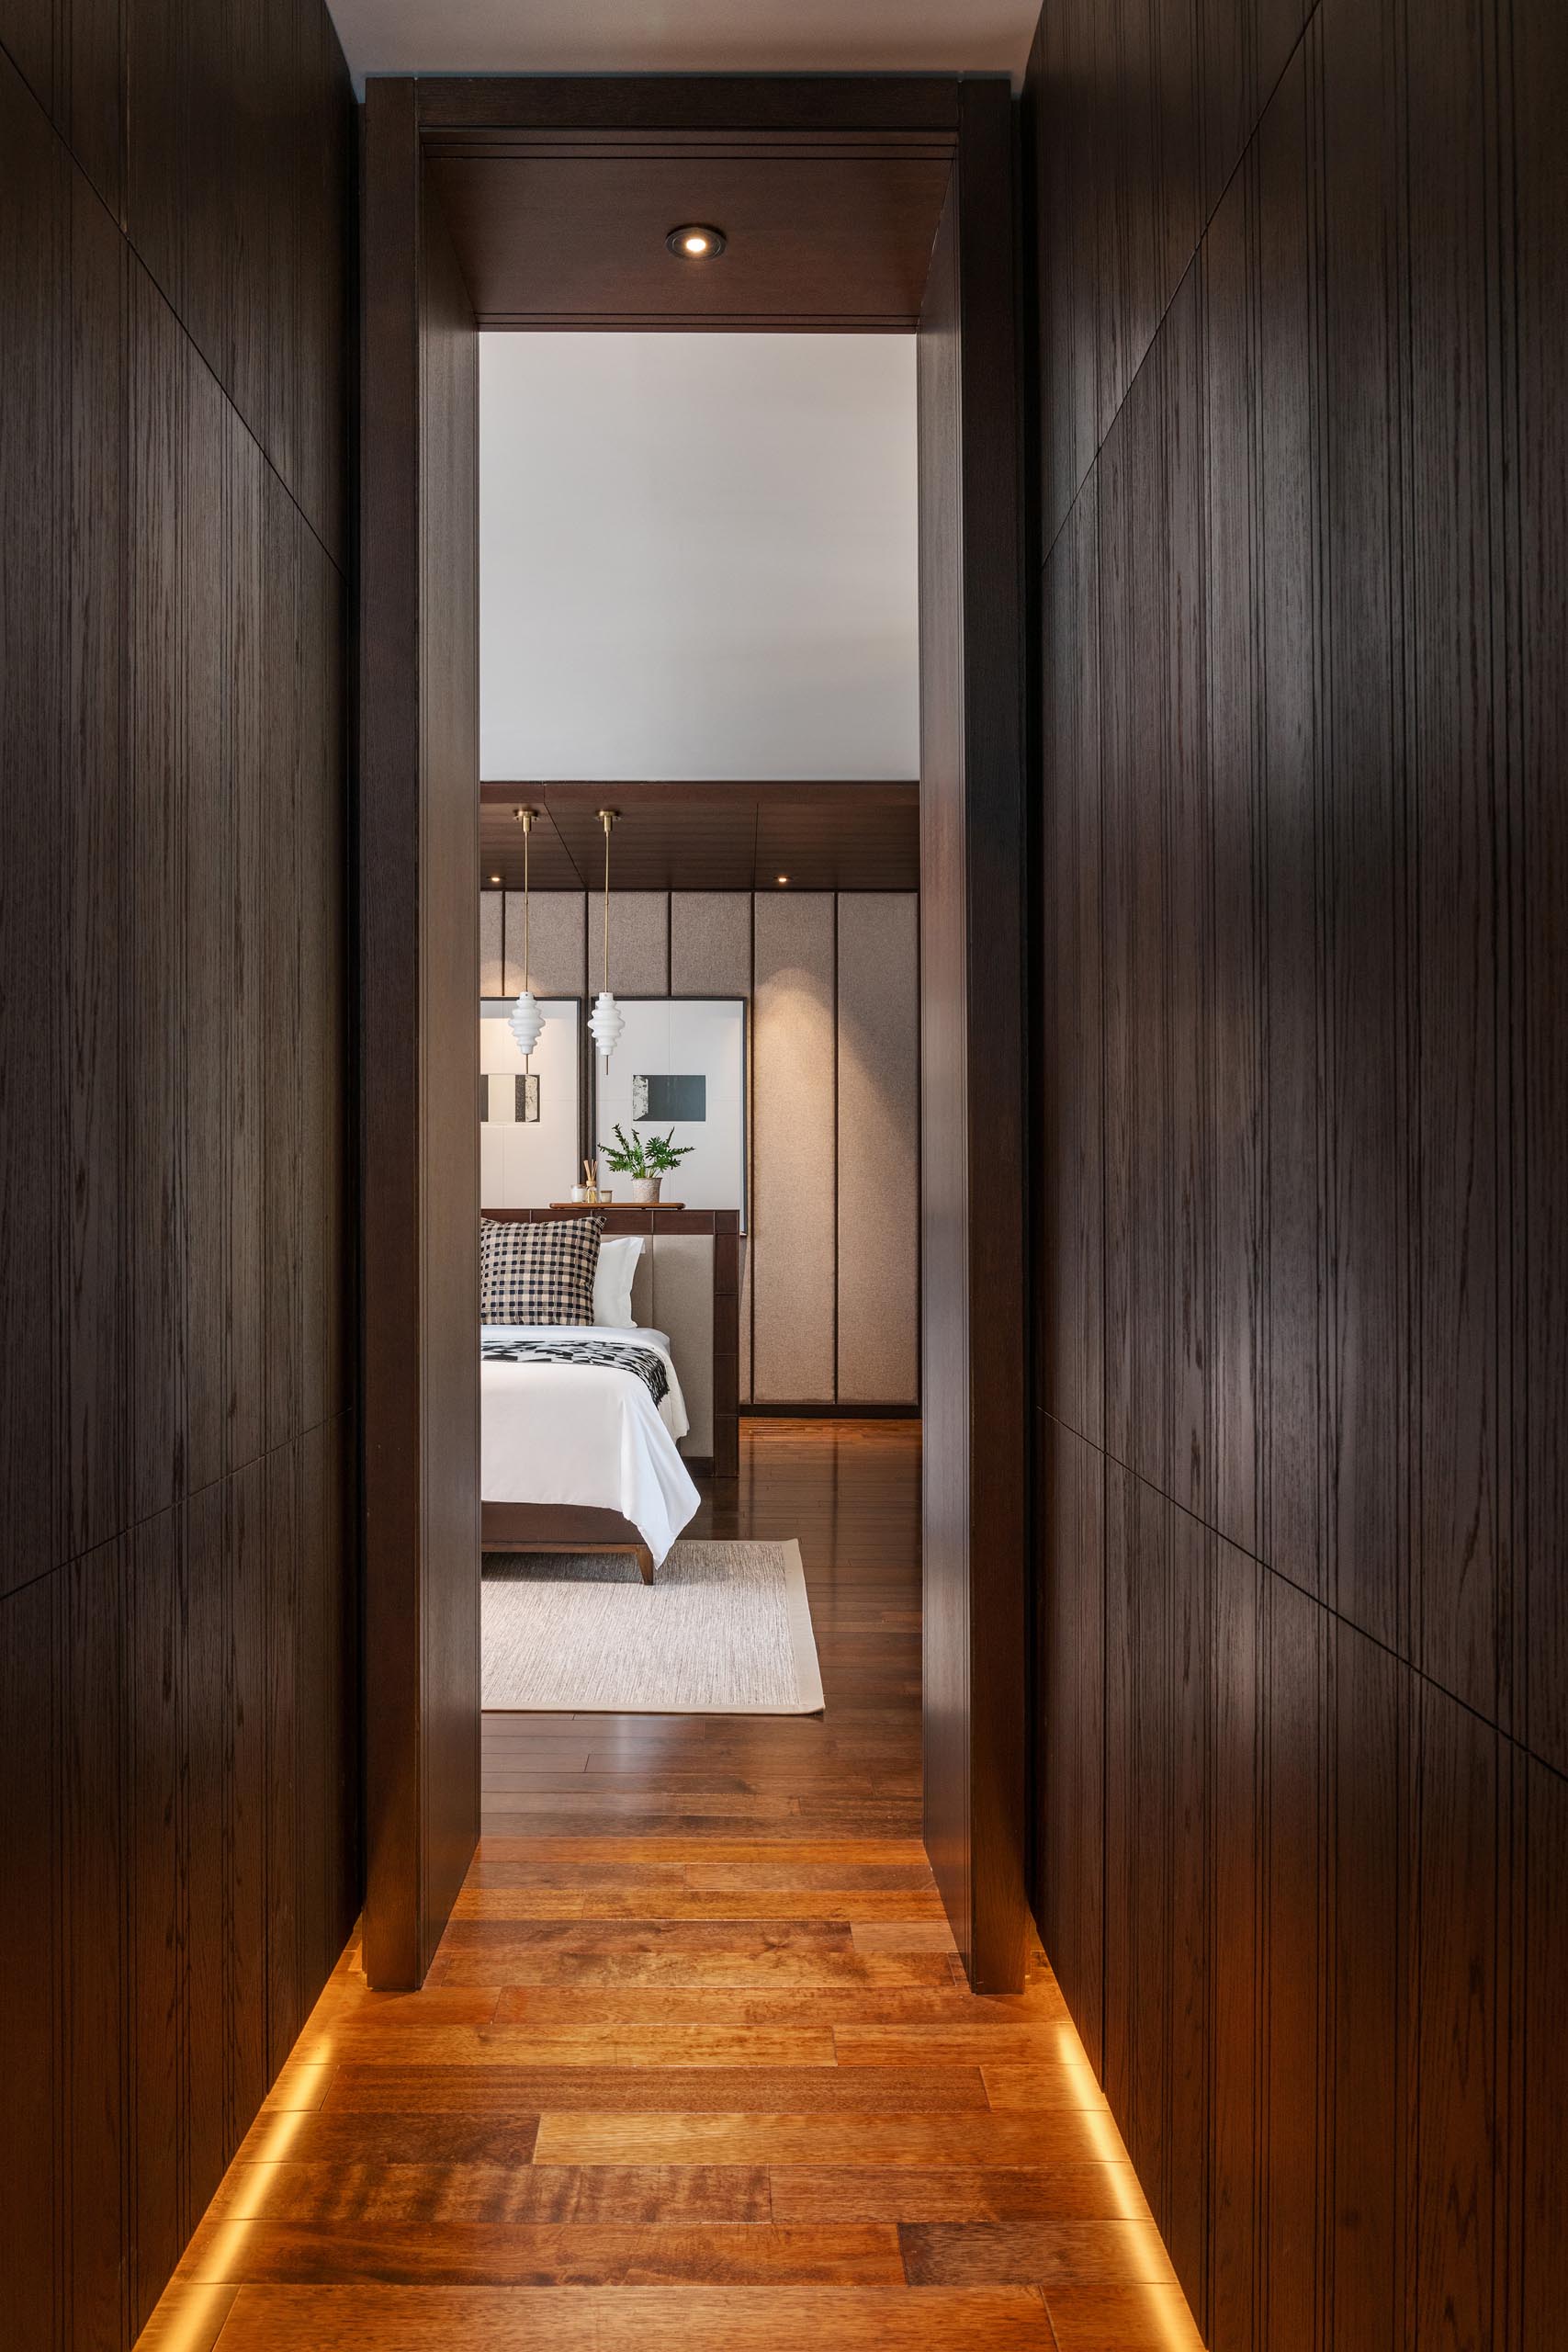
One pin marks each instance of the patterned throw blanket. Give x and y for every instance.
(620, 1354)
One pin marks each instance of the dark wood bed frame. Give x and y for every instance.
(570, 1527)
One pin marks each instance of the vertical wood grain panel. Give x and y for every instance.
(1458, 894)
(1236, 1794)
(877, 1195)
(1071, 1305)
(1370, 352)
(94, 1071)
(34, 247)
(91, 1599)
(36, 2280)
(1293, 1341)
(1363, 829)
(147, 632)
(1539, 868)
(246, 2072)
(250, 718)
(1070, 1726)
(1294, 1644)
(973, 834)
(1370, 1822)
(206, 1766)
(283, 1268)
(155, 968)
(1233, 643)
(207, 923)
(418, 879)
(1460, 2007)
(449, 698)
(794, 1148)
(160, 1919)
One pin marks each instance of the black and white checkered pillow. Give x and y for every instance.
(538, 1273)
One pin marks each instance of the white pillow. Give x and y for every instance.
(613, 1281)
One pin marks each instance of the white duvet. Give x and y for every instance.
(586, 1433)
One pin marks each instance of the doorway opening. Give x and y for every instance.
(860, 207)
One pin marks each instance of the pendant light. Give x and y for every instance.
(606, 1021)
(525, 1020)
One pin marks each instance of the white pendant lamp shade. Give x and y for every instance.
(525, 1021)
(606, 1021)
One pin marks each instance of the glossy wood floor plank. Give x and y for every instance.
(697, 2069)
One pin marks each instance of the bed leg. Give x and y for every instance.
(645, 1563)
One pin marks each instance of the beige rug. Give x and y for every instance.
(725, 1629)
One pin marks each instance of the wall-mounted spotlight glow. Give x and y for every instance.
(695, 241)
(783, 879)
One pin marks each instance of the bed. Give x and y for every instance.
(577, 1456)
(574, 1453)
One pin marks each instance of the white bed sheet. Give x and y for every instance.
(586, 1433)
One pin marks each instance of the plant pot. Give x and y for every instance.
(645, 1189)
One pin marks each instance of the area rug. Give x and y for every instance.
(725, 1629)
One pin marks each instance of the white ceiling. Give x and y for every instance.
(684, 36)
(697, 557)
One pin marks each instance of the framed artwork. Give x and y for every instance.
(530, 1118)
(681, 1068)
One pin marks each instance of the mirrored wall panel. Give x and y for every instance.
(680, 1070)
(530, 1115)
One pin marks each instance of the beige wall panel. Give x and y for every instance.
(642, 1290)
(878, 1149)
(556, 943)
(682, 1305)
(710, 943)
(794, 1148)
(639, 943)
(491, 979)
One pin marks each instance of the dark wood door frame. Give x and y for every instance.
(417, 600)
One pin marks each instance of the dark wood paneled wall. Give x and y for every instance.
(972, 1065)
(1301, 283)
(419, 947)
(178, 1630)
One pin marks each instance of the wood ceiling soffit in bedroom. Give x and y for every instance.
(825, 836)
(828, 231)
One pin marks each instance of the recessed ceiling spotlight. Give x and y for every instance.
(783, 877)
(696, 243)
(495, 877)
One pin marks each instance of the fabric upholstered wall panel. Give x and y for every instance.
(794, 1150)
(493, 980)
(682, 1305)
(639, 943)
(710, 943)
(642, 1291)
(557, 943)
(879, 1184)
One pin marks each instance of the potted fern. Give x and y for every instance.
(646, 1163)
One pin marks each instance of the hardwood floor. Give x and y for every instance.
(696, 2069)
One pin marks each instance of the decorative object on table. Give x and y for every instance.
(525, 1020)
(647, 1163)
(605, 1020)
(579, 1195)
(597, 1195)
